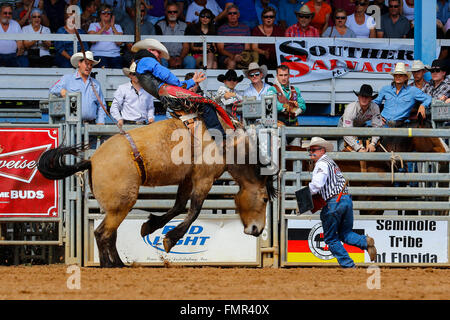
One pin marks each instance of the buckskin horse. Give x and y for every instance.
(115, 180)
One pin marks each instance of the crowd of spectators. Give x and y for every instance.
(234, 18)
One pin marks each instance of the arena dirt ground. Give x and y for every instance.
(216, 283)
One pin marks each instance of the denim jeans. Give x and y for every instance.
(337, 224)
(8, 60)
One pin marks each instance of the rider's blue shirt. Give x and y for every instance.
(151, 65)
(398, 106)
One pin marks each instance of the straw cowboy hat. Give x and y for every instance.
(417, 66)
(366, 91)
(131, 69)
(79, 56)
(319, 142)
(400, 68)
(151, 44)
(306, 11)
(230, 75)
(255, 66)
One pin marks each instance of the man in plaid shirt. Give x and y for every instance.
(302, 28)
(439, 85)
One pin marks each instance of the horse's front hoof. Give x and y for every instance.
(167, 244)
(145, 229)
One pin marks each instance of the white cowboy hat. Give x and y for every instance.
(320, 142)
(255, 66)
(79, 56)
(305, 10)
(400, 68)
(151, 44)
(417, 65)
(131, 69)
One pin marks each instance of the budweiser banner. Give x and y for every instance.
(24, 192)
(312, 59)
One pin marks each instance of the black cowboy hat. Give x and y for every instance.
(438, 64)
(229, 75)
(366, 91)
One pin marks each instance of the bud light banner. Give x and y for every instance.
(311, 59)
(24, 192)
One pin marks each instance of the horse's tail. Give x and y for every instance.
(52, 166)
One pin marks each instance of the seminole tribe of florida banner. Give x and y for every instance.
(312, 59)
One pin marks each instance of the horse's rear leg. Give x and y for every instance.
(155, 222)
(198, 195)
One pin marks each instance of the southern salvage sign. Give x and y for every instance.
(206, 241)
(397, 241)
(312, 59)
(24, 192)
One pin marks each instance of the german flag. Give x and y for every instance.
(298, 248)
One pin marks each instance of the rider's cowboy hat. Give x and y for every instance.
(151, 44)
(229, 75)
(305, 11)
(255, 66)
(366, 91)
(400, 68)
(131, 69)
(79, 56)
(319, 142)
(417, 66)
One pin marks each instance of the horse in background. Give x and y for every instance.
(115, 180)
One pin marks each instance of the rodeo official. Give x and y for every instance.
(337, 214)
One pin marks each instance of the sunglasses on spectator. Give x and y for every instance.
(172, 12)
(269, 17)
(232, 13)
(394, 6)
(362, 4)
(340, 18)
(434, 70)
(254, 74)
(205, 16)
(36, 17)
(7, 13)
(302, 16)
(106, 12)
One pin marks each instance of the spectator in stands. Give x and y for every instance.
(256, 74)
(443, 10)
(360, 23)
(178, 51)
(381, 4)
(289, 98)
(37, 50)
(322, 12)
(22, 13)
(56, 13)
(108, 52)
(439, 85)
(80, 81)
(205, 26)
(399, 99)
(64, 49)
(357, 114)
(247, 12)
(88, 16)
(260, 6)
(408, 9)
(303, 27)
(11, 51)
(418, 71)
(131, 103)
(339, 30)
(393, 24)
(157, 11)
(266, 51)
(230, 54)
(288, 9)
(227, 95)
(118, 8)
(348, 5)
(194, 9)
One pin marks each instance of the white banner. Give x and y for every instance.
(397, 241)
(312, 59)
(206, 241)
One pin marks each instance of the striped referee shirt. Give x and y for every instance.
(327, 178)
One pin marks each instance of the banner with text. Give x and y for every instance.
(24, 192)
(397, 241)
(312, 59)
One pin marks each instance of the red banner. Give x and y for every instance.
(24, 192)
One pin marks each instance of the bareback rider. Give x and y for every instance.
(165, 86)
(356, 114)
